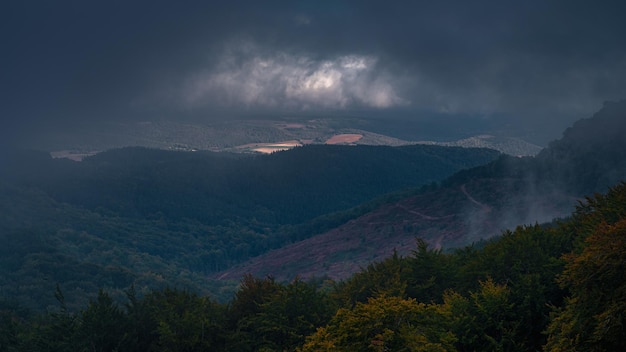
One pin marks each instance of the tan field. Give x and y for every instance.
(267, 148)
(346, 138)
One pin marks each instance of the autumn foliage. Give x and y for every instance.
(555, 287)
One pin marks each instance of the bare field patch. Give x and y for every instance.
(344, 138)
(291, 125)
(267, 148)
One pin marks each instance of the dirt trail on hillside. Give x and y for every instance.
(422, 215)
(438, 241)
(411, 211)
(473, 200)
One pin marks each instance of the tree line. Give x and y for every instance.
(553, 287)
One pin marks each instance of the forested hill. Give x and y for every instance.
(470, 206)
(155, 218)
(589, 158)
(591, 155)
(537, 288)
(162, 218)
(284, 187)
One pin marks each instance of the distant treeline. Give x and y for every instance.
(284, 187)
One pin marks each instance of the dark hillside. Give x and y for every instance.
(551, 287)
(470, 206)
(591, 155)
(284, 187)
(155, 218)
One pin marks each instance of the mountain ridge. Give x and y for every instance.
(480, 203)
(251, 135)
(152, 217)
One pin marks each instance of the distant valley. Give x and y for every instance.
(153, 218)
(249, 135)
(471, 206)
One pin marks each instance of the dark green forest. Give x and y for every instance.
(553, 287)
(153, 218)
(113, 253)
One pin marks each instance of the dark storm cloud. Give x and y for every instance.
(76, 60)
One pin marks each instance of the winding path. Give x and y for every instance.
(422, 215)
(473, 200)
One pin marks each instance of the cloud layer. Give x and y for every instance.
(246, 78)
(522, 62)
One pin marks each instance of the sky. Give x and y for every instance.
(534, 64)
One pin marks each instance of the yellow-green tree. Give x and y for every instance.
(385, 324)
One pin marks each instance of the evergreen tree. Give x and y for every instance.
(185, 321)
(486, 321)
(58, 333)
(594, 316)
(102, 325)
(290, 314)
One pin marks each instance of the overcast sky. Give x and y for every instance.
(526, 62)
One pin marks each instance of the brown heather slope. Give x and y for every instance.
(447, 217)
